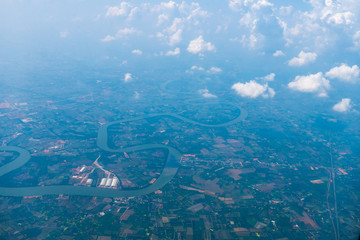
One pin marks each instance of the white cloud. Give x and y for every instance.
(164, 6)
(237, 5)
(132, 13)
(253, 89)
(314, 83)
(304, 29)
(270, 77)
(285, 10)
(125, 32)
(193, 12)
(206, 94)
(302, 59)
(162, 18)
(251, 15)
(174, 52)
(64, 34)
(128, 77)
(160, 35)
(176, 25)
(118, 10)
(198, 46)
(197, 68)
(175, 38)
(260, 4)
(120, 34)
(136, 95)
(344, 73)
(314, 26)
(309, 24)
(173, 33)
(341, 18)
(137, 52)
(278, 53)
(343, 106)
(252, 41)
(249, 20)
(184, 17)
(214, 70)
(168, 5)
(108, 38)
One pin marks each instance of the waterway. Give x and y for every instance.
(169, 171)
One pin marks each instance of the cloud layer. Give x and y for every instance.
(206, 94)
(313, 83)
(128, 77)
(343, 106)
(252, 89)
(302, 59)
(344, 73)
(174, 52)
(199, 46)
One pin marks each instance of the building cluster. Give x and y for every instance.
(109, 182)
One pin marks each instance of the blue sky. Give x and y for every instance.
(311, 47)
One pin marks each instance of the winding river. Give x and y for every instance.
(166, 175)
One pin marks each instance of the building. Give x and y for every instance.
(103, 181)
(114, 182)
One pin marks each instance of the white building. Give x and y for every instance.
(114, 182)
(108, 182)
(103, 181)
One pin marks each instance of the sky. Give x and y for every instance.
(261, 48)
